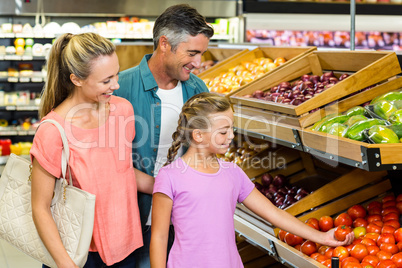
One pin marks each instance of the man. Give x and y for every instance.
(157, 88)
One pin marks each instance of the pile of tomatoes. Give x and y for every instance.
(377, 230)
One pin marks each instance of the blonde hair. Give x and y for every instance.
(70, 54)
(194, 115)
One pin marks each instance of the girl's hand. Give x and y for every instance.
(333, 242)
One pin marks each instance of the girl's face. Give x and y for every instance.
(218, 137)
(102, 81)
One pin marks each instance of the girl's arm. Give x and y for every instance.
(42, 192)
(161, 212)
(145, 182)
(260, 205)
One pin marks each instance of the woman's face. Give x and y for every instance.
(102, 81)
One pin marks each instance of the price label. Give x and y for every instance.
(10, 108)
(24, 79)
(12, 57)
(37, 79)
(1, 57)
(12, 79)
(27, 57)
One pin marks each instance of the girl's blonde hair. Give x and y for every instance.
(194, 115)
(70, 54)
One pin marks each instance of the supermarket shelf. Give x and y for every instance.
(16, 131)
(306, 7)
(22, 79)
(21, 57)
(19, 108)
(267, 130)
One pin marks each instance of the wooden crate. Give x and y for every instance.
(131, 55)
(367, 68)
(289, 53)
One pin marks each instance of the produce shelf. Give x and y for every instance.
(367, 68)
(276, 133)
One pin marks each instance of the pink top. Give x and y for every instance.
(101, 163)
(202, 213)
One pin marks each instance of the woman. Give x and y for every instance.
(82, 75)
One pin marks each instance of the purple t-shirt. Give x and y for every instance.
(202, 213)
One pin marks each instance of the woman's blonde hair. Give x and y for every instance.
(194, 115)
(70, 54)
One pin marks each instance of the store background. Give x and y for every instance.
(239, 24)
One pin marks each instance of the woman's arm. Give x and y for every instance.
(145, 182)
(42, 192)
(161, 213)
(260, 205)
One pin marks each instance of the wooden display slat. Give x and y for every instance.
(289, 53)
(368, 67)
(220, 55)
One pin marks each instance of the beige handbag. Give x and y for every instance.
(72, 208)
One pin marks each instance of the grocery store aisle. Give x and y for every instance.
(10, 257)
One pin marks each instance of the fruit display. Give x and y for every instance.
(242, 74)
(377, 232)
(205, 65)
(300, 90)
(242, 149)
(379, 122)
(278, 190)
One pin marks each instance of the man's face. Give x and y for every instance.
(179, 63)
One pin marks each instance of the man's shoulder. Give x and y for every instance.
(196, 83)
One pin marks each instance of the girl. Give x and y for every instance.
(82, 75)
(199, 192)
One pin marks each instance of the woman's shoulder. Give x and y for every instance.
(120, 103)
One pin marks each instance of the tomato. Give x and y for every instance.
(371, 218)
(399, 206)
(374, 204)
(399, 245)
(349, 247)
(293, 240)
(281, 235)
(297, 247)
(308, 247)
(373, 260)
(359, 231)
(387, 229)
(387, 210)
(373, 236)
(368, 242)
(357, 211)
(315, 255)
(398, 235)
(389, 247)
(322, 249)
(360, 222)
(327, 263)
(342, 231)
(313, 222)
(348, 260)
(352, 265)
(385, 238)
(383, 255)
(366, 265)
(321, 258)
(373, 228)
(326, 223)
(343, 219)
(398, 198)
(387, 198)
(386, 264)
(359, 251)
(391, 216)
(374, 211)
(379, 223)
(397, 259)
(393, 223)
(373, 250)
(391, 203)
(340, 252)
(329, 252)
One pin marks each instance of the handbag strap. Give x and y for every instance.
(65, 156)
